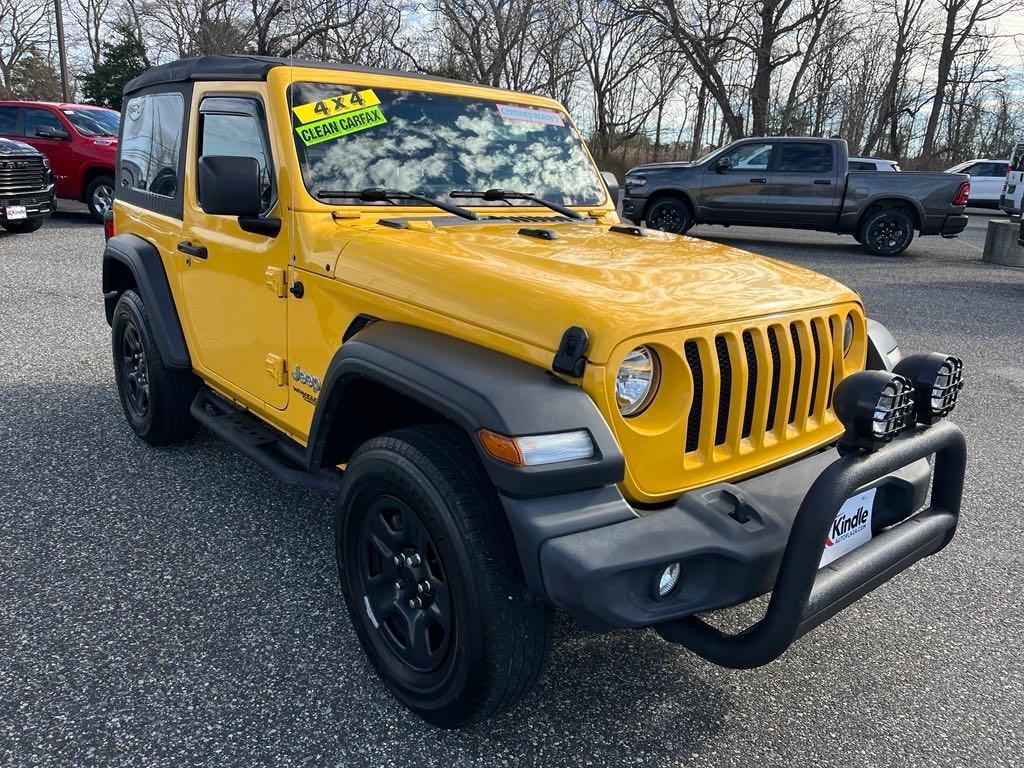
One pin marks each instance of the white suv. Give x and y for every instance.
(1012, 199)
(987, 178)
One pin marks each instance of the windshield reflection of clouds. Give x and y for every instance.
(435, 143)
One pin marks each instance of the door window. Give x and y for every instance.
(235, 127)
(806, 157)
(986, 170)
(41, 118)
(860, 165)
(8, 120)
(750, 157)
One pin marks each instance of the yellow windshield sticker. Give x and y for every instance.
(335, 105)
(340, 125)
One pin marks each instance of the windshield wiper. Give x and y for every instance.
(379, 195)
(506, 195)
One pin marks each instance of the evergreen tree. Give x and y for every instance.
(123, 59)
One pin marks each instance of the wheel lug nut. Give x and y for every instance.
(399, 560)
(415, 603)
(423, 587)
(413, 560)
(398, 585)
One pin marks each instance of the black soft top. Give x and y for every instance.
(243, 67)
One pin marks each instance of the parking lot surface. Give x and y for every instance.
(179, 607)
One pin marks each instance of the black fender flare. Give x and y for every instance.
(142, 260)
(883, 351)
(667, 190)
(474, 388)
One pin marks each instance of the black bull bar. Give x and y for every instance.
(804, 596)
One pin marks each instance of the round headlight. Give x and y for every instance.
(847, 335)
(637, 381)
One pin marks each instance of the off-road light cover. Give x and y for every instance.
(668, 578)
(534, 450)
(637, 381)
(874, 406)
(937, 380)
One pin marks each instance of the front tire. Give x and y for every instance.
(886, 232)
(669, 214)
(155, 399)
(99, 196)
(25, 226)
(430, 575)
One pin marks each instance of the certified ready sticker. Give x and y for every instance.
(850, 529)
(519, 114)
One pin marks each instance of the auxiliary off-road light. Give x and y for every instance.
(874, 406)
(533, 450)
(668, 578)
(937, 381)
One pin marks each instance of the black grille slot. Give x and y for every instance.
(831, 366)
(797, 366)
(697, 371)
(817, 362)
(724, 389)
(773, 345)
(748, 413)
(22, 175)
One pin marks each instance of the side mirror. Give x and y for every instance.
(722, 164)
(614, 190)
(229, 185)
(51, 132)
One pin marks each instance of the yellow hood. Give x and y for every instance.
(617, 286)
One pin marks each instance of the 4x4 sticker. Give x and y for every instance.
(335, 105)
(340, 125)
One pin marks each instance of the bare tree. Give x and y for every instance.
(24, 31)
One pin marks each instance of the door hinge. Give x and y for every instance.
(274, 278)
(278, 369)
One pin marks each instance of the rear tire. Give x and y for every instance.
(669, 214)
(25, 226)
(477, 639)
(155, 399)
(886, 232)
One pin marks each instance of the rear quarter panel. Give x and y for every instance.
(929, 194)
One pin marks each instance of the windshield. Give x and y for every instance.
(94, 122)
(350, 138)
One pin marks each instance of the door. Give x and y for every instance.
(233, 281)
(44, 131)
(804, 187)
(987, 179)
(733, 186)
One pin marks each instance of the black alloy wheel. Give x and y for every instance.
(134, 371)
(887, 232)
(669, 214)
(404, 586)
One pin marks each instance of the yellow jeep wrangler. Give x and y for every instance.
(415, 294)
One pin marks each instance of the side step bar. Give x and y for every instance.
(275, 452)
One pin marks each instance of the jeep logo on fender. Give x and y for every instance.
(308, 379)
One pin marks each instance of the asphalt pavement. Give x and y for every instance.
(179, 607)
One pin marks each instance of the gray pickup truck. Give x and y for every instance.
(800, 183)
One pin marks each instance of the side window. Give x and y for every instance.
(151, 133)
(8, 120)
(750, 157)
(860, 165)
(42, 118)
(972, 169)
(989, 169)
(806, 157)
(236, 127)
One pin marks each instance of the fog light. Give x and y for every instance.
(668, 579)
(937, 380)
(874, 406)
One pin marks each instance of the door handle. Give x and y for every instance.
(198, 251)
(759, 181)
(826, 182)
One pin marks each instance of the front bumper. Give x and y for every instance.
(36, 204)
(633, 207)
(596, 557)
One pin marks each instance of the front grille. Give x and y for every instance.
(745, 405)
(21, 175)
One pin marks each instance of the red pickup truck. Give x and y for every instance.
(80, 142)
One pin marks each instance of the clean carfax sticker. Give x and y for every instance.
(529, 115)
(340, 125)
(850, 529)
(335, 105)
